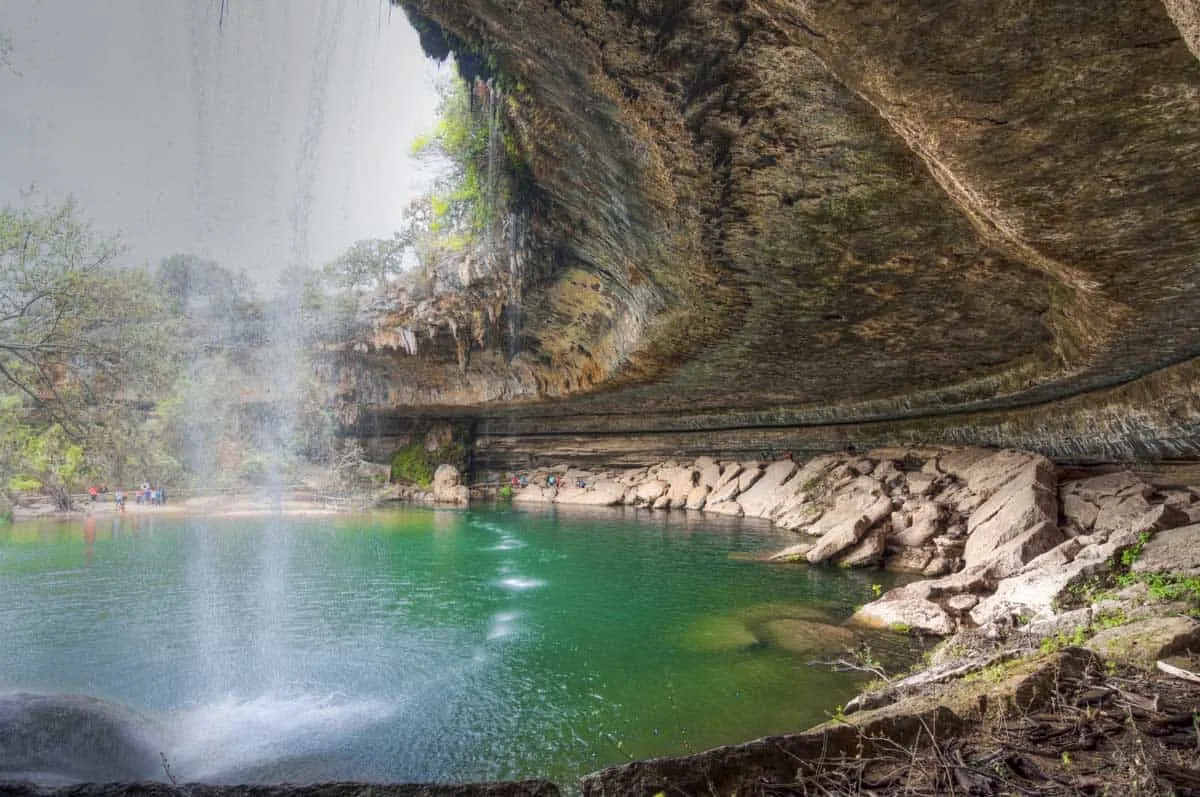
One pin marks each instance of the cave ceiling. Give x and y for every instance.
(935, 215)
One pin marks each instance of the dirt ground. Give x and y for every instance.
(1104, 732)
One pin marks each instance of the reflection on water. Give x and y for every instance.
(425, 645)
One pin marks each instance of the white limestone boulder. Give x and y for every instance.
(927, 521)
(769, 491)
(902, 613)
(448, 487)
(857, 509)
(601, 492)
(697, 497)
(649, 492)
(1020, 511)
(1172, 551)
(867, 552)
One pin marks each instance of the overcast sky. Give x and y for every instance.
(281, 136)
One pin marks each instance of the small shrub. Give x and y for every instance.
(1060, 640)
(410, 464)
(506, 492)
(1134, 552)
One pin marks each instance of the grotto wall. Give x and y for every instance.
(804, 224)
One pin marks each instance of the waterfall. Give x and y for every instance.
(514, 234)
(509, 230)
(492, 109)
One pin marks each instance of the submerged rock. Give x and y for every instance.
(806, 636)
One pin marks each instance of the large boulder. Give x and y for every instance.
(730, 471)
(900, 612)
(651, 491)
(1105, 504)
(1020, 510)
(857, 508)
(726, 490)
(798, 506)
(868, 551)
(926, 522)
(1145, 641)
(535, 494)
(1011, 557)
(709, 472)
(751, 473)
(1172, 551)
(769, 491)
(697, 497)
(681, 480)
(806, 636)
(1032, 594)
(448, 487)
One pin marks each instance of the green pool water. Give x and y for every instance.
(425, 645)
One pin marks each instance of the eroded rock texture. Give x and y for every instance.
(772, 224)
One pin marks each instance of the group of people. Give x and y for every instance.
(145, 494)
(551, 481)
(151, 495)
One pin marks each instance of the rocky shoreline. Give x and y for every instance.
(994, 538)
(1066, 603)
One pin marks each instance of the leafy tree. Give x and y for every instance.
(85, 346)
(464, 144)
(372, 263)
(75, 330)
(220, 307)
(37, 457)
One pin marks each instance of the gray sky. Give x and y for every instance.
(282, 137)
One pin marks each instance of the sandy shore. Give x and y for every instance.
(205, 506)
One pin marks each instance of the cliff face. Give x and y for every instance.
(801, 224)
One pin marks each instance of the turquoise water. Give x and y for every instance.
(422, 645)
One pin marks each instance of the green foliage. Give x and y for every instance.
(410, 464)
(463, 143)
(74, 329)
(1061, 640)
(1166, 586)
(506, 492)
(1110, 619)
(371, 262)
(1134, 552)
(38, 457)
(1161, 586)
(85, 347)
